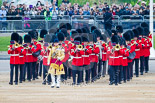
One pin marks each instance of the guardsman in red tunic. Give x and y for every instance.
(126, 61)
(141, 40)
(28, 58)
(148, 45)
(138, 46)
(99, 43)
(13, 50)
(86, 57)
(131, 48)
(22, 54)
(45, 54)
(43, 33)
(114, 60)
(94, 57)
(36, 50)
(104, 53)
(77, 63)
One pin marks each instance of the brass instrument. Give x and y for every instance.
(79, 47)
(117, 47)
(50, 47)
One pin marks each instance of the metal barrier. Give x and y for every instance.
(38, 22)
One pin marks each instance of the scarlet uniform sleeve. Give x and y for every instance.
(81, 52)
(89, 51)
(72, 52)
(36, 48)
(126, 53)
(121, 51)
(10, 50)
(132, 48)
(96, 50)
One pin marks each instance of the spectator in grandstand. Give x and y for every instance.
(47, 14)
(3, 13)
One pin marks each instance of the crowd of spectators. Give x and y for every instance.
(50, 11)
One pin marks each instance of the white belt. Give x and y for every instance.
(137, 49)
(92, 54)
(45, 56)
(21, 56)
(15, 55)
(120, 56)
(124, 57)
(85, 55)
(28, 54)
(113, 57)
(148, 45)
(104, 53)
(77, 57)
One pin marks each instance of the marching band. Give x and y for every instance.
(82, 54)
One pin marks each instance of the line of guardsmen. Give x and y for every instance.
(78, 53)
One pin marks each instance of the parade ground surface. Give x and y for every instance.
(138, 90)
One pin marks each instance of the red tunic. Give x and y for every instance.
(36, 47)
(77, 57)
(104, 53)
(14, 58)
(138, 46)
(45, 54)
(86, 57)
(142, 49)
(28, 57)
(114, 59)
(125, 55)
(148, 45)
(94, 54)
(22, 54)
(132, 46)
(67, 46)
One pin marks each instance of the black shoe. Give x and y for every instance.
(146, 71)
(116, 84)
(128, 79)
(16, 83)
(33, 79)
(137, 75)
(69, 77)
(120, 83)
(52, 86)
(141, 73)
(37, 78)
(43, 83)
(111, 83)
(73, 83)
(11, 83)
(20, 82)
(57, 87)
(29, 80)
(49, 83)
(23, 80)
(78, 83)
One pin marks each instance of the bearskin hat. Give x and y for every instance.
(47, 38)
(60, 36)
(127, 36)
(146, 31)
(20, 40)
(63, 30)
(15, 36)
(78, 38)
(98, 32)
(68, 25)
(79, 31)
(91, 37)
(144, 24)
(27, 39)
(136, 33)
(87, 29)
(43, 32)
(62, 25)
(52, 31)
(85, 37)
(131, 34)
(114, 39)
(140, 30)
(119, 29)
(54, 39)
(74, 33)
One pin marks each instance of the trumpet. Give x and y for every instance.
(16, 45)
(50, 47)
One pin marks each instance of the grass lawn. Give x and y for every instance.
(5, 41)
